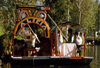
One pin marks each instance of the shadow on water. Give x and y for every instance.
(94, 64)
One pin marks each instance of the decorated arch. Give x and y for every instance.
(34, 20)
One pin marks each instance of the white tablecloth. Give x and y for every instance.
(67, 49)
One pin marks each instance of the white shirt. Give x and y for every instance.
(72, 40)
(78, 40)
(34, 40)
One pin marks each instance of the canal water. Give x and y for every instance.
(91, 51)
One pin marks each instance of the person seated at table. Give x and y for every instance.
(18, 48)
(78, 41)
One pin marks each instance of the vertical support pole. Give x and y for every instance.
(55, 43)
(75, 51)
(24, 52)
(84, 43)
(51, 37)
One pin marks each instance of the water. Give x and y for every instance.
(96, 62)
(92, 51)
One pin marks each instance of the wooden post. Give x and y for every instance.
(51, 37)
(55, 43)
(84, 43)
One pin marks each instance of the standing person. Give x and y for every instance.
(34, 39)
(78, 41)
(70, 36)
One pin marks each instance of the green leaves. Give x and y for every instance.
(88, 10)
(1, 29)
(81, 11)
(58, 10)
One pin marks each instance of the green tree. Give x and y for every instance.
(7, 22)
(98, 16)
(84, 13)
(58, 10)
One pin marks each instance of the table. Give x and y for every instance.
(67, 49)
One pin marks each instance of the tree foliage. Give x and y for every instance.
(88, 9)
(58, 10)
(82, 12)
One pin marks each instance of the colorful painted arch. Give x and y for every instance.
(39, 21)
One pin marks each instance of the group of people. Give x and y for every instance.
(76, 38)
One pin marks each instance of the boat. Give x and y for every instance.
(34, 42)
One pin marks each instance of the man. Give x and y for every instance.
(78, 42)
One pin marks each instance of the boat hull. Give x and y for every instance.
(51, 60)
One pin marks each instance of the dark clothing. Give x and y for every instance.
(70, 38)
(79, 49)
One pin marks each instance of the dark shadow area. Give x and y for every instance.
(1, 45)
